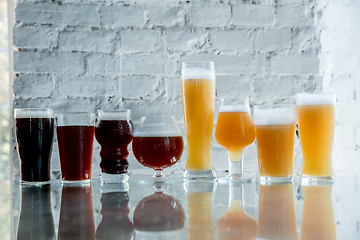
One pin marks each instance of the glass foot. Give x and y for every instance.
(306, 178)
(76, 183)
(235, 179)
(114, 178)
(200, 176)
(269, 180)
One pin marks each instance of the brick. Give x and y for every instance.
(233, 40)
(306, 40)
(345, 88)
(272, 40)
(208, 16)
(253, 15)
(345, 18)
(86, 86)
(33, 85)
(344, 137)
(185, 40)
(341, 63)
(173, 87)
(143, 64)
(141, 41)
(53, 13)
(166, 16)
(34, 37)
(347, 113)
(147, 87)
(103, 64)
(240, 86)
(289, 16)
(44, 62)
(290, 63)
(122, 16)
(93, 41)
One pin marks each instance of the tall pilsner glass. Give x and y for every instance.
(316, 118)
(198, 99)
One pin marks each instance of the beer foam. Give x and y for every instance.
(274, 116)
(315, 99)
(34, 113)
(236, 108)
(158, 134)
(197, 73)
(125, 115)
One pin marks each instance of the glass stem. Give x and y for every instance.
(236, 167)
(236, 197)
(158, 173)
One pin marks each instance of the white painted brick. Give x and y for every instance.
(86, 86)
(30, 85)
(166, 16)
(208, 16)
(345, 88)
(342, 63)
(233, 40)
(185, 40)
(53, 13)
(173, 87)
(239, 85)
(347, 112)
(272, 40)
(289, 16)
(141, 41)
(147, 87)
(253, 15)
(122, 16)
(143, 64)
(345, 18)
(344, 42)
(35, 37)
(306, 40)
(345, 161)
(308, 83)
(93, 41)
(290, 63)
(103, 64)
(35, 62)
(344, 136)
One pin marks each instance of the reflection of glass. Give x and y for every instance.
(316, 117)
(115, 222)
(76, 214)
(236, 223)
(159, 215)
(275, 135)
(199, 196)
(114, 131)
(36, 219)
(34, 130)
(198, 99)
(158, 144)
(277, 219)
(318, 222)
(235, 131)
(75, 134)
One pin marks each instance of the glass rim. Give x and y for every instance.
(33, 109)
(316, 98)
(198, 62)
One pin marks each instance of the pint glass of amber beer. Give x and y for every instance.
(275, 135)
(316, 117)
(198, 100)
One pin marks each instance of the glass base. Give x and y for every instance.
(200, 176)
(267, 180)
(22, 182)
(114, 178)
(235, 179)
(76, 182)
(306, 178)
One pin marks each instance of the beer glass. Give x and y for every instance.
(157, 144)
(34, 130)
(235, 131)
(114, 131)
(316, 117)
(75, 133)
(198, 100)
(275, 135)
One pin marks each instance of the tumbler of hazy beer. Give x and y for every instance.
(34, 129)
(275, 135)
(198, 100)
(75, 134)
(316, 117)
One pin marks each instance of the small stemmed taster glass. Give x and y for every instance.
(235, 131)
(158, 144)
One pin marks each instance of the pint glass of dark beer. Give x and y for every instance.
(34, 129)
(75, 133)
(114, 131)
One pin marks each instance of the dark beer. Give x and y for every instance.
(75, 149)
(34, 138)
(158, 152)
(114, 136)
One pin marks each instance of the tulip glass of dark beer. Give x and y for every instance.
(114, 131)
(75, 133)
(34, 137)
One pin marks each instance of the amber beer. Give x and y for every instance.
(198, 99)
(275, 134)
(316, 117)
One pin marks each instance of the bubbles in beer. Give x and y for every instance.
(315, 99)
(274, 116)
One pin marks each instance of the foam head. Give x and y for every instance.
(34, 113)
(114, 115)
(197, 73)
(235, 108)
(274, 116)
(315, 99)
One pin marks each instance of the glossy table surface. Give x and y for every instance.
(182, 210)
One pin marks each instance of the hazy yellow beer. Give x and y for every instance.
(316, 117)
(198, 100)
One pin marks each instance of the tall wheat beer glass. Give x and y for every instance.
(198, 99)
(316, 117)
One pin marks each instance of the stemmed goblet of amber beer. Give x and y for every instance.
(235, 131)
(158, 144)
(114, 131)
(198, 100)
(316, 118)
(275, 135)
